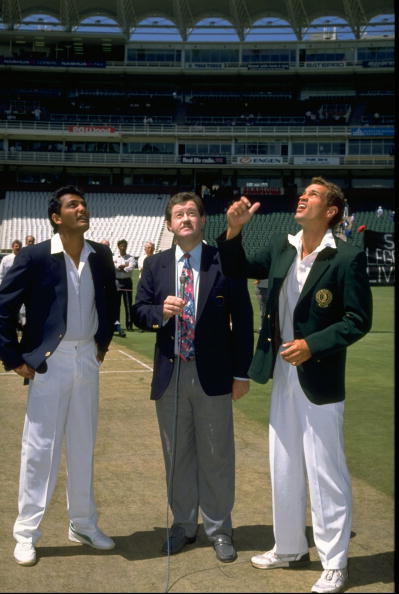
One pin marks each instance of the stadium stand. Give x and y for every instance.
(134, 217)
(130, 121)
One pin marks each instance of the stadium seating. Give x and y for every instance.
(134, 217)
(262, 227)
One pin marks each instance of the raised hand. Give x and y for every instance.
(238, 215)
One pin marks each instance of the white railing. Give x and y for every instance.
(111, 131)
(83, 159)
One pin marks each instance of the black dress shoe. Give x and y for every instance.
(224, 548)
(177, 540)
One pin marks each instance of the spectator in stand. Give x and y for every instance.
(379, 212)
(8, 260)
(37, 113)
(29, 240)
(124, 264)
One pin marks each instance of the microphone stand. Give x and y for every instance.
(182, 280)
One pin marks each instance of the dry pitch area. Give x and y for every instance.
(131, 500)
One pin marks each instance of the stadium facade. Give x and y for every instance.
(101, 110)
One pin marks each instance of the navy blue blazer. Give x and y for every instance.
(224, 326)
(38, 280)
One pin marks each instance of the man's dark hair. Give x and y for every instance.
(122, 242)
(181, 198)
(54, 205)
(335, 197)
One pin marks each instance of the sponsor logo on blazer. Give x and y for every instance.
(323, 297)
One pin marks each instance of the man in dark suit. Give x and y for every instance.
(67, 285)
(318, 303)
(203, 349)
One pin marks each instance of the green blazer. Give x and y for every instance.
(333, 311)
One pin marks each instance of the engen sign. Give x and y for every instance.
(92, 130)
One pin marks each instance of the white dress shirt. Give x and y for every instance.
(82, 317)
(6, 264)
(127, 271)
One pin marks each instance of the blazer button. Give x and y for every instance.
(171, 360)
(268, 316)
(269, 339)
(172, 338)
(47, 354)
(60, 335)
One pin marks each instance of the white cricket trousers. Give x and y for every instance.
(306, 440)
(63, 402)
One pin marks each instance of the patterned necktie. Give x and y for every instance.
(187, 319)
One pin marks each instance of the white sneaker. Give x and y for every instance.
(331, 580)
(25, 553)
(93, 538)
(270, 560)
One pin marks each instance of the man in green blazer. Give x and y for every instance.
(319, 302)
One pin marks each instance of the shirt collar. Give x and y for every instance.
(195, 254)
(327, 241)
(58, 247)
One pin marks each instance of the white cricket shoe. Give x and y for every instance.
(94, 538)
(271, 560)
(25, 553)
(331, 580)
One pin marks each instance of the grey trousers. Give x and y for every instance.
(197, 437)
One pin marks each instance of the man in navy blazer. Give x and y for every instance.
(194, 396)
(67, 285)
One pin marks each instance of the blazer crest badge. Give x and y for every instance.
(323, 297)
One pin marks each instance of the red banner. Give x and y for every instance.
(96, 130)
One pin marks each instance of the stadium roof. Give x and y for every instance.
(186, 14)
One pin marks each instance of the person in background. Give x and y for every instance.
(204, 342)
(149, 249)
(319, 302)
(67, 285)
(117, 326)
(379, 212)
(124, 264)
(8, 260)
(261, 294)
(29, 240)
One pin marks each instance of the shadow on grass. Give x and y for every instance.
(139, 546)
